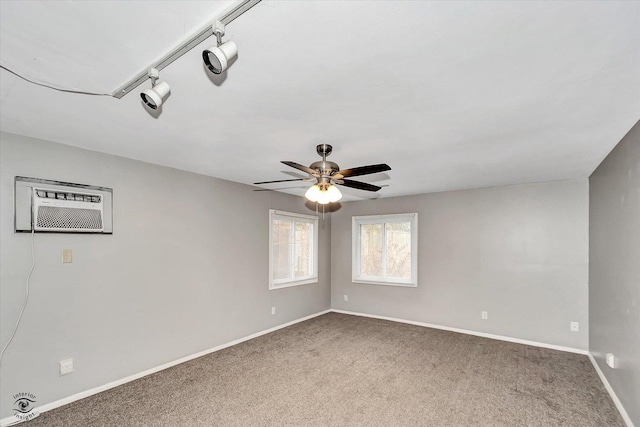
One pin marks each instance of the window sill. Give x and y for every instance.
(377, 282)
(273, 287)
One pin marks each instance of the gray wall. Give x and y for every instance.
(519, 252)
(614, 268)
(185, 270)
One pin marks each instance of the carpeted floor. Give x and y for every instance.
(340, 370)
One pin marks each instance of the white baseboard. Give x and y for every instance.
(612, 393)
(56, 404)
(49, 406)
(468, 332)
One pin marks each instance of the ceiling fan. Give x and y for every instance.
(327, 174)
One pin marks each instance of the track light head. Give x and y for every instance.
(157, 94)
(217, 58)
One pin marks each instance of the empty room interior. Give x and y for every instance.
(320, 213)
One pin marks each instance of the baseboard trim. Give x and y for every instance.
(9, 421)
(612, 393)
(468, 332)
(12, 420)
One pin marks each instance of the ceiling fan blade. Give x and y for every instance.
(279, 180)
(301, 167)
(364, 170)
(359, 185)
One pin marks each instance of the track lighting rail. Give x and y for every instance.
(197, 38)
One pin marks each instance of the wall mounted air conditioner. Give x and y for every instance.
(67, 211)
(45, 206)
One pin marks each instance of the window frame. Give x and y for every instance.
(356, 222)
(313, 259)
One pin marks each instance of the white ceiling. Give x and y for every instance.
(451, 95)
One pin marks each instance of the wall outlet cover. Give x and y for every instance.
(574, 327)
(611, 360)
(66, 366)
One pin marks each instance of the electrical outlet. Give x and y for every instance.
(67, 256)
(611, 360)
(484, 315)
(273, 310)
(574, 327)
(66, 366)
(346, 297)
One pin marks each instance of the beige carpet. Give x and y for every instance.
(340, 370)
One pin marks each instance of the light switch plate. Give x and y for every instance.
(67, 256)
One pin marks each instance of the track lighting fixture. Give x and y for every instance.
(323, 193)
(158, 93)
(217, 58)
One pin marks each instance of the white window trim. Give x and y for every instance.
(356, 221)
(287, 283)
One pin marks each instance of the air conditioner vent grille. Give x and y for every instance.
(51, 217)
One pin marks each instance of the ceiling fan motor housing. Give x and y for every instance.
(325, 167)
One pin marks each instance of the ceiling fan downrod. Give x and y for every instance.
(325, 167)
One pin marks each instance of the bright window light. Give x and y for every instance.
(293, 249)
(385, 249)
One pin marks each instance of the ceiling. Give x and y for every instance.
(452, 95)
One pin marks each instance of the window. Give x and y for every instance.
(385, 249)
(293, 249)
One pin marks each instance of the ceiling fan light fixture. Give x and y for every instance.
(333, 193)
(313, 193)
(323, 196)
